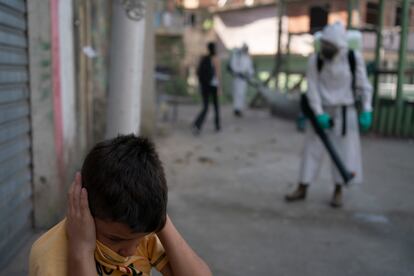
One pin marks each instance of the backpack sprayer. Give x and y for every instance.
(293, 104)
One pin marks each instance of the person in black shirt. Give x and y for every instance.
(208, 73)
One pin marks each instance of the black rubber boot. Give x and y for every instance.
(238, 113)
(195, 130)
(336, 201)
(298, 194)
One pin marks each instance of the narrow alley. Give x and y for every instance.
(227, 189)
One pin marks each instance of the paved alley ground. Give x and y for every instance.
(226, 197)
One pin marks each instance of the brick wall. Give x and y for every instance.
(298, 13)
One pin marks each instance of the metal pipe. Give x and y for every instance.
(401, 66)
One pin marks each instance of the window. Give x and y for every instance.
(191, 20)
(398, 18)
(371, 16)
(318, 18)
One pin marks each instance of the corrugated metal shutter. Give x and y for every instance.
(15, 171)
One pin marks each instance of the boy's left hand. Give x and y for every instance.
(80, 225)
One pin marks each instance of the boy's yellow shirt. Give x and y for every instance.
(49, 256)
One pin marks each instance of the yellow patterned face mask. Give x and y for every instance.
(111, 261)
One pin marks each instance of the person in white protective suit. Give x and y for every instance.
(241, 67)
(332, 92)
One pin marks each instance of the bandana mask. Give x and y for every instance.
(112, 261)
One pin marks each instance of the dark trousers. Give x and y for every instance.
(207, 92)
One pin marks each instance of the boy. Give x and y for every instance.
(116, 221)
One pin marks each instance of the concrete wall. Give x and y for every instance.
(298, 13)
(390, 7)
(257, 27)
(45, 170)
(195, 43)
(54, 109)
(62, 96)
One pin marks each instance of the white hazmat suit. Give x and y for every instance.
(241, 64)
(330, 91)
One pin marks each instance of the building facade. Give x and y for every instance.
(54, 58)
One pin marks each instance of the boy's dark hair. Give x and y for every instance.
(126, 183)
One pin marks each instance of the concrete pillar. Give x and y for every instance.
(148, 97)
(126, 72)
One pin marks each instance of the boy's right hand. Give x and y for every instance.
(80, 225)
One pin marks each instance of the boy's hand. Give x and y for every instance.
(182, 259)
(80, 223)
